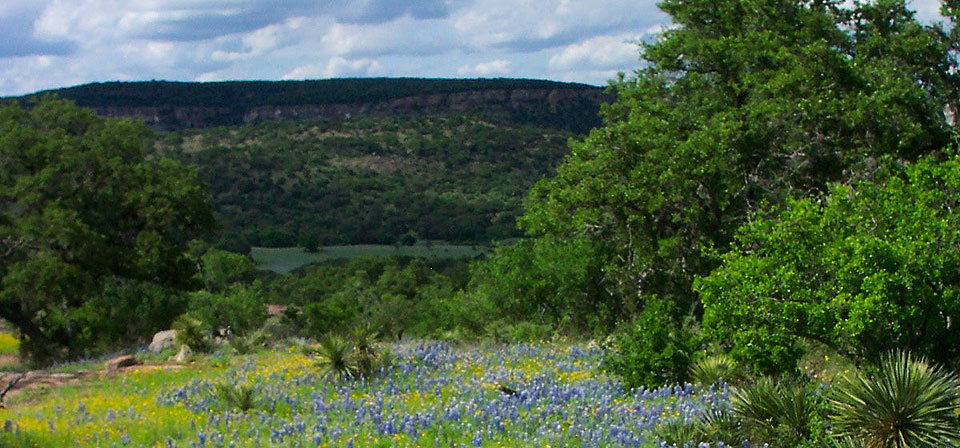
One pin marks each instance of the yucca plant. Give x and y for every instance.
(335, 357)
(712, 369)
(780, 411)
(679, 432)
(190, 332)
(236, 396)
(365, 349)
(906, 403)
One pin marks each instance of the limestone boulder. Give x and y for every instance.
(121, 361)
(183, 356)
(163, 339)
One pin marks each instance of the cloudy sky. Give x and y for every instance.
(54, 43)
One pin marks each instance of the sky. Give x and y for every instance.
(47, 44)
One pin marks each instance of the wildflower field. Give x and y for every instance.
(435, 395)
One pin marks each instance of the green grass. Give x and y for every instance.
(286, 259)
(9, 344)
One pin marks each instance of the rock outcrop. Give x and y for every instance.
(162, 340)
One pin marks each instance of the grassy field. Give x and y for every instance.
(9, 344)
(9, 351)
(286, 259)
(435, 395)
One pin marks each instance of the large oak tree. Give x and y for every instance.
(85, 212)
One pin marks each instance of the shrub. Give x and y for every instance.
(249, 343)
(906, 403)
(867, 269)
(653, 351)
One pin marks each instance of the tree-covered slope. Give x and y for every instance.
(368, 180)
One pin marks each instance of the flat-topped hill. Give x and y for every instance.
(180, 105)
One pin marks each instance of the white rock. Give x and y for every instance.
(162, 340)
(183, 355)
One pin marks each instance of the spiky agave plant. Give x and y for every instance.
(335, 357)
(907, 403)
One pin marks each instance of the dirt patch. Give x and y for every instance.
(39, 379)
(8, 360)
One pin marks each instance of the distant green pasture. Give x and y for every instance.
(286, 259)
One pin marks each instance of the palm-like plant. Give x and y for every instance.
(236, 396)
(774, 410)
(365, 349)
(712, 369)
(907, 403)
(335, 357)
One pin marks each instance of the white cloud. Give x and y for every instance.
(337, 67)
(497, 67)
(597, 52)
(102, 40)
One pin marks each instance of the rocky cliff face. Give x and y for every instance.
(571, 109)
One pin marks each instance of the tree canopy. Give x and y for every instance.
(743, 103)
(84, 215)
(866, 270)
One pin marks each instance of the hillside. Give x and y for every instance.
(369, 180)
(181, 105)
(358, 161)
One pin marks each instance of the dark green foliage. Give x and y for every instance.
(549, 282)
(393, 299)
(904, 403)
(373, 181)
(250, 342)
(653, 351)
(192, 333)
(741, 104)
(219, 269)
(84, 214)
(868, 269)
(237, 310)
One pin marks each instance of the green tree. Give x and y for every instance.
(868, 269)
(744, 102)
(82, 210)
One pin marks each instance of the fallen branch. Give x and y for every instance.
(10, 385)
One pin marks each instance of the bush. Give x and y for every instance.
(653, 351)
(867, 269)
(906, 403)
(523, 331)
(237, 309)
